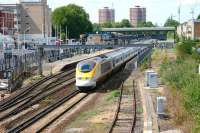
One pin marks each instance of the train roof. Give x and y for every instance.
(95, 59)
(109, 55)
(118, 52)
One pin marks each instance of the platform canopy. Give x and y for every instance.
(139, 29)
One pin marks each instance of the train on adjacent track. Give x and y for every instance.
(91, 72)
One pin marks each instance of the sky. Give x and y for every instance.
(157, 10)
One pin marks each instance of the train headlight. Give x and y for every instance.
(84, 78)
(88, 78)
(79, 78)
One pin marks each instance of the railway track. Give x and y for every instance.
(39, 91)
(27, 123)
(125, 115)
(22, 94)
(25, 91)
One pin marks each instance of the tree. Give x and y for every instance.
(116, 25)
(145, 24)
(125, 23)
(198, 17)
(63, 36)
(72, 17)
(96, 27)
(171, 23)
(107, 25)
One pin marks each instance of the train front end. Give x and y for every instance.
(85, 75)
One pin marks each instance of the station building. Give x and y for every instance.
(94, 39)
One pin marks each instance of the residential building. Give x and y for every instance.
(106, 15)
(189, 30)
(36, 17)
(29, 20)
(137, 15)
(10, 21)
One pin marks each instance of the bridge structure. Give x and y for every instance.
(127, 34)
(141, 29)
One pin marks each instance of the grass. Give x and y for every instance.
(139, 109)
(37, 77)
(184, 80)
(83, 119)
(48, 100)
(112, 95)
(144, 65)
(85, 115)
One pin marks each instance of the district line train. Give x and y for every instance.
(91, 72)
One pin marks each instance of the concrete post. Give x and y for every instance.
(116, 41)
(199, 68)
(124, 42)
(40, 54)
(136, 64)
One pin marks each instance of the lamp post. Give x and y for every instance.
(27, 29)
(3, 30)
(44, 21)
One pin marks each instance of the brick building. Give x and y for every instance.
(9, 18)
(32, 17)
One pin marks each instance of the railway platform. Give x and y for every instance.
(53, 67)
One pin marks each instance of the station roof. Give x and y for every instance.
(138, 29)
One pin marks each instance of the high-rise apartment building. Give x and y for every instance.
(137, 15)
(106, 15)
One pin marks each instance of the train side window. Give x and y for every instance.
(113, 63)
(105, 67)
(9, 74)
(4, 75)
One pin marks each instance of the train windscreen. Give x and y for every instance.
(86, 66)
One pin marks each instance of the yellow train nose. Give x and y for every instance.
(85, 75)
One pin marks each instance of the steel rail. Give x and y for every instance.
(42, 113)
(33, 101)
(117, 111)
(22, 95)
(67, 110)
(119, 107)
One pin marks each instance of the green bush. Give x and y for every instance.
(185, 48)
(182, 75)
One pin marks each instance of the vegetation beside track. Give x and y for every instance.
(182, 75)
(98, 117)
(113, 95)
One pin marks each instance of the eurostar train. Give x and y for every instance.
(92, 71)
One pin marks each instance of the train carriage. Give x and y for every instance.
(92, 71)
